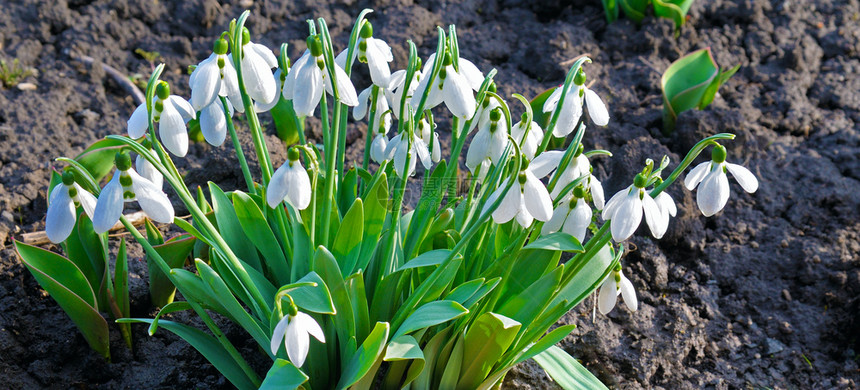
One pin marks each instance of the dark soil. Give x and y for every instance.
(763, 295)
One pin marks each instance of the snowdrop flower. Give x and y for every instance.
(616, 284)
(294, 329)
(213, 77)
(126, 186)
(381, 121)
(374, 52)
(527, 200)
(489, 142)
(428, 135)
(395, 92)
(625, 211)
(147, 170)
(452, 87)
(257, 63)
(528, 144)
(571, 109)
(667, 208)
(714, 188)
(62, 214)
(398, 149)
(213, 122)
(279, 84)
(290, 183)
(308, 78)
(578, 167)
(171, 112)
(572, 216)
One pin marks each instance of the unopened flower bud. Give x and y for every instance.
(366, 30)
(315, 45)
(68, 178)
(246, 36)
(162, 90)
(220, 46)
(640, 181)
(718, 154)
(122, 161)
(579, 79)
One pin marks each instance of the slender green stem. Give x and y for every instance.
(371, 126)
(237, 146)
(330, 154)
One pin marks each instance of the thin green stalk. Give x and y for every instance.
(237, 146)
(371, 129)
(330, 154)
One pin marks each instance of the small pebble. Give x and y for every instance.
(784, 243)
(786, 295)
(27, 86)
(785, 328)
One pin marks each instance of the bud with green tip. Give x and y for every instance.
(713, 183)
(64, 199)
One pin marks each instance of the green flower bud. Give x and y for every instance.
(718, 154)
(68, 178)
(366, 30)
(447, 60)
(315, 45)
(492, 87)
(162, 90)
(579, 192)
(122, 161)
(579, 150)
(496, 114)
(579, 79)
(293, 154)
(246, 36)
(640, 181)
(220, 46)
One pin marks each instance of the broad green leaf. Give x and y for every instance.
(558, 241)
(673, 9)
(171, 307)
(690, 82)
(567, 371)
(453, 372)
(552, 338)
(95, 245)
(586, 279)
(486, 340)
(485, 289)
(431, 354)
(465, 291)
(283, 376)
(346, 191)
(287, 124)
(326, 266)
(360, 309)
(209, 347)
(67, 285)
(424, 213)
(426, 259)
(406, 348)
(174, 253)
(98, 159)
(230, 228)
(530, 265)
(346, 247)
(540, 117)
(610, 7)
(315, 299)
(433, 313)
(375, 210)
(527, 305)
(365, 356)
(634, 9)
(256, 228)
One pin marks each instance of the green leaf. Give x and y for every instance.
(486, 340)
(360, 309)
(552, 338)
(171, 307)
(540, 117)
(208, 346)
(230, 228)
(406, 348)
(524, 307)
(691, 81)
(586, 279)
(610, 7)
(558, 241)
(425, 211)
(174, 253)
(432, 313)
(365, 356)
(120, 288)
(673, 9)
(98, 159)
(315, 299)
(567, 371)
(634, 9)
(257, 230)
(327, 268)
(346, 247)
(426, 259)
(453, 367)
(67, 285)
(465, 291)
(283, 376)
(346, 191)
(431, 352)
(287, 124)
(375, 210)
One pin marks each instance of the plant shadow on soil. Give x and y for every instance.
(762, 295)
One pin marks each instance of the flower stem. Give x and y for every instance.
(238, 148)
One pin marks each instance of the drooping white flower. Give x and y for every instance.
(714, 190)
(290, 183)
(527, 200)
(489, 142)
(294, 331)
(528, 143)
(378, 147)
(213, 122)
(62, 208)
(430, 137)
(399, 149)
(452, 87)
(257, 63)
(381, 121)
(148, 171)
(625, 210)
(171, 112)
(571, 109)
(266, 107)
(616, 284)
(374, 52)
(127, 186)
(308, 77)
(572, 216)
(667, 208)
(213, 77)
(395, 91)
(578, 167)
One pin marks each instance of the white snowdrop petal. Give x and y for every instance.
(458, 96)
(297, 342)
(299, 186)
(205, 83)
(278, 335)
(559, 216)
(607, 296)
(345, 88)
(596, 109)
(87, 200)
(308, 89)
(477, 149)
(377, 63)
(230, 81)
(183, 107)
(613, 203)
(744, 177)
(310, 326)
(578, 221)
(288, 90)
(361, 108)
(536, 198)
(546, 162)
(471, 72)
(628, 293)
(666, 203)
(340, 60)
(524, 218)
(570, 112)
(552, 101)
(437, 149)
(696, 175)
(147, 170)
(109, 205)
(713, 193)
(377, 148)
(498, 143)
(259, 80)
(260, 106)
(265, 53)
(278, 186)
(172, 131)
(510, 204)
(61, 215)
(153, 201)
(138, 123)
(654, 217)
(422, 152)
(213, 124)
(597, 192)
(627, 217)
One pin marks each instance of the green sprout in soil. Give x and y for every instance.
(635, 10)
(12, 73)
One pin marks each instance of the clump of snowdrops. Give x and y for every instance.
(318, 261)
